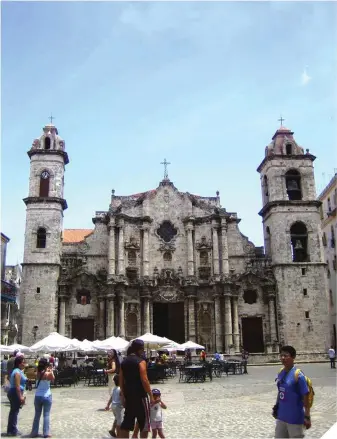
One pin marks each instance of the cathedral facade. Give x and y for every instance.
(176, 264)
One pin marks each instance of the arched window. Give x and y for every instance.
(324, 239)
(131, 325)
(289, 149)
(293, 185)
(132, 257)
(265, 183)
(47, 142)
(299, 242)
(44, 184)
(332, 237)
(41, 238)
(204, 258)
(83, 297)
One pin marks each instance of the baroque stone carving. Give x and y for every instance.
(132, 244)
(168, 294)
(203, 244)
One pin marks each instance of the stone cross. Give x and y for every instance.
(281, 120)
(165, 163)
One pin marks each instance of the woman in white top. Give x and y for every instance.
(43, 398)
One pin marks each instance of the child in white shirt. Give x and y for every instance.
(117, 408)
(156, 414)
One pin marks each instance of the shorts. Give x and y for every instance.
(285, 430)
(156, 425)
(136, 408)
(118, 411)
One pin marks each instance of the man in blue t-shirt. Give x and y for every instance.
(292, 411)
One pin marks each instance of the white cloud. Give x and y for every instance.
(305, 78)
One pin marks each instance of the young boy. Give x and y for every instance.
(156, 414)
(117, 408)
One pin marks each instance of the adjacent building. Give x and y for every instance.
(328, 198)
(9, 297)
(175, 263)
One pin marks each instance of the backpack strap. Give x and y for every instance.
(297, 372)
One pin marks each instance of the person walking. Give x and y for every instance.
(43, 398)
(15, 395)
(332, 356)
(113, 368)
(135, 391)
(117, 408)
(292, 409)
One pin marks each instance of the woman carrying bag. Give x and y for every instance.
(17, 385)
(43, 398)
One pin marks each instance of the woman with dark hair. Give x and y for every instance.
(113, 368)
(15, 394)
(43, 398)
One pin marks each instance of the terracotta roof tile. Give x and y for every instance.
(75, 235)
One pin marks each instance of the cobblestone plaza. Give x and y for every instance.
(233, 406)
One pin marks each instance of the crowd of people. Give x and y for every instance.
(139, 409)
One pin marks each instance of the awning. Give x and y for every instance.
(8, 292)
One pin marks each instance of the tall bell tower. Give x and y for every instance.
(43, 235)
(293, 242)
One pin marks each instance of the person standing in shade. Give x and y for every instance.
(244, 356)
(292, 409)
(15, 395)
(332, 356)
(43, 398)
(135, 391)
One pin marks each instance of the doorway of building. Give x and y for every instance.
(83, 328)
(252, 334)
(168, 321)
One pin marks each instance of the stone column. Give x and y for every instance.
(218, 324)
(111, 249)
(186, 319)
(146, 315)
(191, 319)
(146, 261)
(111, 316)
(190, 258)
(228, 323)
(272, 320)
(151, 317)
(62, 316)
(121, 317)
(215, 249)
(101, 317)
(224, 242)
(236, 334)
(121, 267)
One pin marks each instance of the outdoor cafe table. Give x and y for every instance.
(195, 373)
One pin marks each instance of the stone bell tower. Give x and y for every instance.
(293, 241)
(43, 234)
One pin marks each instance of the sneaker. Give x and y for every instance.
(112, 433)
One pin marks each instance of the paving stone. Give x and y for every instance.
(233, 406)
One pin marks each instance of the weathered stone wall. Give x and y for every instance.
(38, 309)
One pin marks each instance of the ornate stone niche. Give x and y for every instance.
(132, 244)
(203, 244)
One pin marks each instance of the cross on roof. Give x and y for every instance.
(51, 117)
(165, 163)
(281, 120)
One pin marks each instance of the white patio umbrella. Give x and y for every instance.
(14, 347)
(54, 342)
(173, 347)
(151, 341)
(117, 343)
(74, 346)
(191, 345)
(87, 346)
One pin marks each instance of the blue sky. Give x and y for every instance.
(202, 84)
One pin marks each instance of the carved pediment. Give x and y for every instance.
(165, 246)
(132, 244)
(203, 244)
(168, 294)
